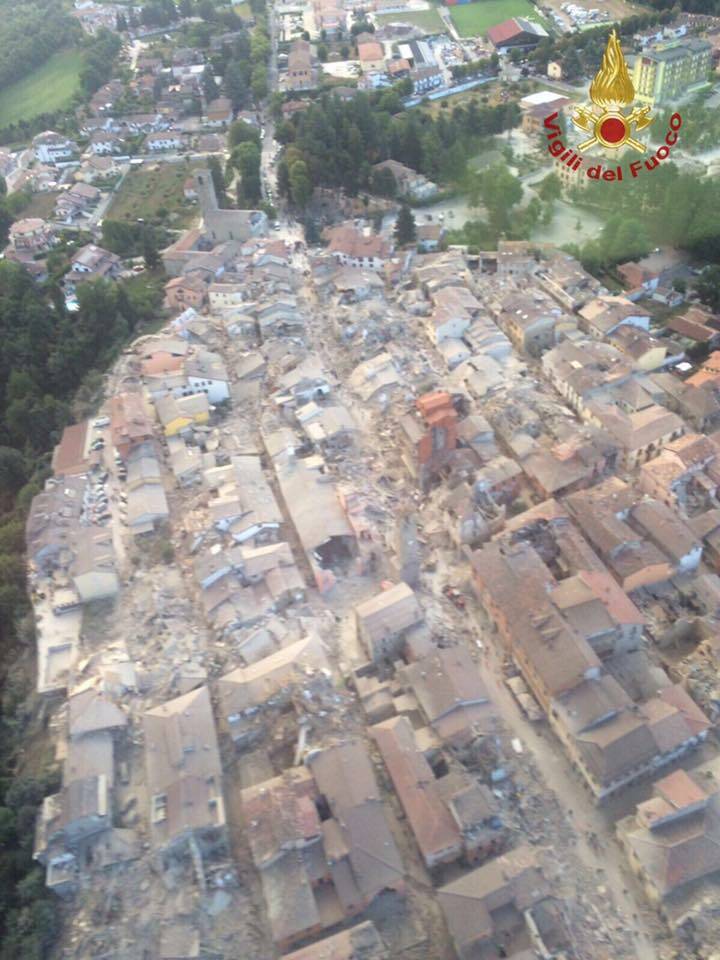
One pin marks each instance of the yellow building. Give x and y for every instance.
(666, 71)
(179, 413)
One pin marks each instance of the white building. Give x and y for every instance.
(51, 147)
(206, 373)
(164, 141)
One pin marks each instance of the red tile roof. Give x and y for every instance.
(68, 456)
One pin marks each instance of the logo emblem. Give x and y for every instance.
(610, 91)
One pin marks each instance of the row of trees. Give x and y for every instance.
(580, 53)
(710, 7)
(246, 159)
(668, 207)
(335, 143)
(475, 68)
(162, 13)
(99, 56)
(134, 239)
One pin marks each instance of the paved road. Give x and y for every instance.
(269, 146)
(448, 21)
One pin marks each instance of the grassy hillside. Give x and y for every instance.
(48, 88)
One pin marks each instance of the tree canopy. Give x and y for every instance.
(405, 231)
(30, 32)
(339, 142)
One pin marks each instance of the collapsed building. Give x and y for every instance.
(320, 839)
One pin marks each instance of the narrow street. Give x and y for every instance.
(584, 818)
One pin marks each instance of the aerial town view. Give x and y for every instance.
(359, 480)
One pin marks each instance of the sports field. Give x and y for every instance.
(474, 19)
(427, 20)
(51, 87)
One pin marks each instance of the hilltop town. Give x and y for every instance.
(374, 574)
(381, 584)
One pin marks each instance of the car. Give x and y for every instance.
(101, 422)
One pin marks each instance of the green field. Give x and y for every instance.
(49, 88)
(41, 204)
(155, 191)
(427, 20)
(474, 19)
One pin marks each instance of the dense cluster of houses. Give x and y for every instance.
(572, 564)
(561, 457)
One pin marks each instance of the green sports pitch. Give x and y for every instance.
(474, 19)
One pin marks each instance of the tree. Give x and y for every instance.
(121, 23)
(259, 82)
(150, 250)
(571, 64)
(300, 185)
(283, 178)
(383, 183)
(206, 10)
(284, 132)
(236, 83)
(550, 188)
(242, 132)
(13, 471)
(209, 84)
(246, 160)
(218, 180)
(7, 827)
(498, 191)
(322, 53)
(708, 287)
(405, 231)
(99, 60)
(312, 233)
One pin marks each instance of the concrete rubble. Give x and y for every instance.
(281, 588)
